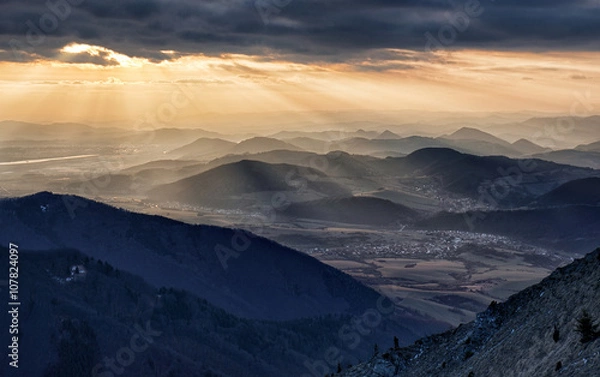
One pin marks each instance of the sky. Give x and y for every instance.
(134, 61)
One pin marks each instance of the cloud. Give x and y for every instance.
(302, 30)
(84, 53)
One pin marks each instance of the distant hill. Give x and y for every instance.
(482, 148)
(580, 129)
(574, 157)
(387, 134)
(310, 144)
(329, 135)
(16, 130)
(352, 210)
(132, 181)
(176, 135)
(593, 147)
(527, 147)
(167, 137)
(469, 133)
(229, 185)
(334, 164)
(531, 334)
(474, 141)
(84, 134)
(261, 144)
(553, 132)
(203, 148)
(210, 148)
(467, 175)
(270, 157)
(366, 146)
(159, 164)
(345, 165)
(581, 191)
(393, 146)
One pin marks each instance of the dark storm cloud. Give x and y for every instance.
(302, 30)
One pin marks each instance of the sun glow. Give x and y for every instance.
(111, 57)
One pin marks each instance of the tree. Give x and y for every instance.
(587, 328)
(396, 343)
(339, 368)
(375, 350)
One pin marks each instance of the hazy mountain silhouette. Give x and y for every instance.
(553, 132)
(527, 147)
(135, 180)
(593, 147)
(228, 185)
(334, 164)
(261, 144)
(469, 133)
(574, 157)
(474, 141)
(204, 148)
(159, 164)
(353, 210)
(16, 130)
(324, 135)
(387, 134)
(467, 175)
(366, 146)
(310, 144)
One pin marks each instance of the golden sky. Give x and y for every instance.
(128, 89)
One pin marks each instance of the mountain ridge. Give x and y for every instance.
(247, 275)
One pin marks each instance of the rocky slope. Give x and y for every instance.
(531, 334)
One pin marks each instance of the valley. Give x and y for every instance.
(439, 232)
